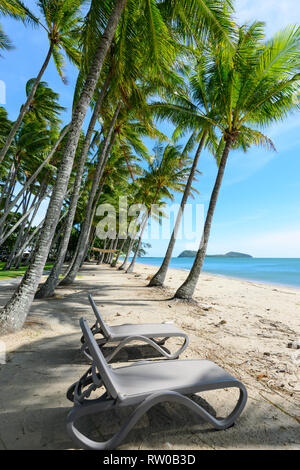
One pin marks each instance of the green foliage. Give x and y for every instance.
(184, 61)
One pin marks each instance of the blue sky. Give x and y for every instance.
(258, 211)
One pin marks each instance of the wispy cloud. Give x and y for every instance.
(276, 14)
(280, 243)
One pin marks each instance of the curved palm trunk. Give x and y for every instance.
(48, 288)
(144, 224)
(109, 140)
(186, 290)
(123, 265)
(25, 231)
(101, 258)
(14, 314)
(132, 264)
(34, 176)
(114, 263)
(115, 244)
(25, 107)
(159, 278)
(24, 217)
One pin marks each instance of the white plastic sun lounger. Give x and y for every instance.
(143, 385)
(124, 334)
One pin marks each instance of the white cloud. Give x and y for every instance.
(274, 244)
(276, 14)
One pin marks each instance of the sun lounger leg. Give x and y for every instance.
(97, 406)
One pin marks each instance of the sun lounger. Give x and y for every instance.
(143, 385)
(125, 334)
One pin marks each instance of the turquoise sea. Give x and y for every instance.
(284, 271)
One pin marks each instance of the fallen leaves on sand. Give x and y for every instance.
(261, 376)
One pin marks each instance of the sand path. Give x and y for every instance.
(243, 326)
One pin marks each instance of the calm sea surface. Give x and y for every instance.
(271, 270)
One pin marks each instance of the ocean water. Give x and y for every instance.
(282, 271)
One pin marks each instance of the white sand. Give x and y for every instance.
(243, 326)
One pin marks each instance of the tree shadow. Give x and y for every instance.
(34, 409)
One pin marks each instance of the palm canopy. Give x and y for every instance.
(150, 42)
(62, 22)
(13, 8)
(4, 124)
(5, 42)
(138, 54)
(167, 172)
(238, 91)
(257, 82)
(44, 105)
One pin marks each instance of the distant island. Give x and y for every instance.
(230, 254)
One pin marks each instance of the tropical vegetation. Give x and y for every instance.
(140, 64)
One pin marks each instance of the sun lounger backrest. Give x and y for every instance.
(104, 370)
(104, 328)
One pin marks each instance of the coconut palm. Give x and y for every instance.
(61, 23)
(38, 131)
(167, 172)
(256, 84)
(124, 129)
(14, 313)
(121, 81)
(187, 112)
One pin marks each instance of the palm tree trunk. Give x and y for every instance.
(24, 216)
(86, 224)
(49, 286)
(6, 184)
(25, 230)
(114, 263)
(14, 314)
(25, 107)
(123, 265)
(28, 240)
(144, 224)
(114, 247)
(34, 176)
(159, 278)
(102, 254)
(131, 266)
(186, 290)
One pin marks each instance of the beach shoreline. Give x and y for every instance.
(186, 270)
(242, 326)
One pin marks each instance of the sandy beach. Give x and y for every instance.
(245, 327)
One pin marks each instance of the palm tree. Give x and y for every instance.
(104, 152)
(33, 139)
(120, 77)
(14, 313)
(188, 112)
(47, 289)
(61, 23)
(256, 84)
(167, 172)
(128, 135)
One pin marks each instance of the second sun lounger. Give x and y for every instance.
(143, 385)
(123, 334)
